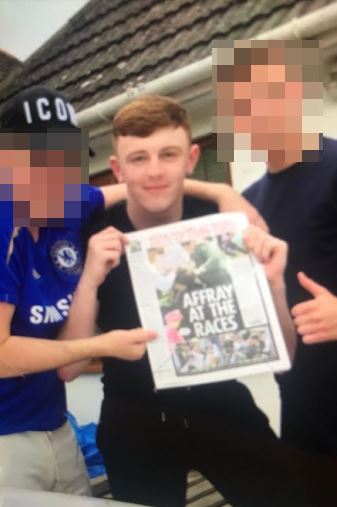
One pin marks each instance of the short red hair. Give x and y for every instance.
(144, 115)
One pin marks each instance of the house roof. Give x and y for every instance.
(112, 45)
(7, 64)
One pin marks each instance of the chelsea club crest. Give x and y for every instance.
(66, 257)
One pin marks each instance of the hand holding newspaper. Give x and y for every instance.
(209, 300)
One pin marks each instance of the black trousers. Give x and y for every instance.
(148, 453)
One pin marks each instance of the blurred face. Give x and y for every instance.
(39, 182)
(154, 169)
(269, 94)
(270, 108)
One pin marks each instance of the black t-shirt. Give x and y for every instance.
(300, 206)
(132, 380)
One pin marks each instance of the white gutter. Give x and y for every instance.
(164, 85)
(309, 26)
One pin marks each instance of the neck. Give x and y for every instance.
(280, 160)
(277, 166)
(144, 219)
(35, 232)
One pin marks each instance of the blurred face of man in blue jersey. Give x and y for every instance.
(41, 159)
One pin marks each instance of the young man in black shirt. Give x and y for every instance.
(150, 439)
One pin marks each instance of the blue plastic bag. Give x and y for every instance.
(86, 439)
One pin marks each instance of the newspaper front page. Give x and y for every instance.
(208, 299)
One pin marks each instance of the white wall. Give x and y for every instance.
(84, 396)
(330, 116)
(245, 174)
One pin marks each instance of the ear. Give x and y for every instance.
(193, 157)
(115, 167)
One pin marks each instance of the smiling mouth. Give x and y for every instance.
(156, 188)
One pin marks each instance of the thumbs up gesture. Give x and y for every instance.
(316, 320)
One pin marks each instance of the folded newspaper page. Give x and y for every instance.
(209, 300)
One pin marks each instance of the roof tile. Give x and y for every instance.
(110, 44)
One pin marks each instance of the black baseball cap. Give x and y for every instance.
(42, 118)
(38, 109)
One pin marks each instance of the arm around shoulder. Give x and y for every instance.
(227, 199)
(113, 194)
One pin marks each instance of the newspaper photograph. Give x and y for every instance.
(208, 299)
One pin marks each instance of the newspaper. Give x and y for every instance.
(208, 299)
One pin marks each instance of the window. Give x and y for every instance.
(208, 168)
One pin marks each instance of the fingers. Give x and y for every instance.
(310, 328)
(112, 231)
(310, 323)
(104, 252)
(318, 337)
(303, 308)
(270, 251)
(254, 239)
(140, 335)
(263, 245)
(129, 345)
(134, 343)
(111, 253)
(107, 236)
(138, 352)
(306, 317)
(310, 285)
(309, 318)
(107, 246)
(110, 238)
(267, 249)
(316, 320)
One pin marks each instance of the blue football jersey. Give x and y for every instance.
(39, 278)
